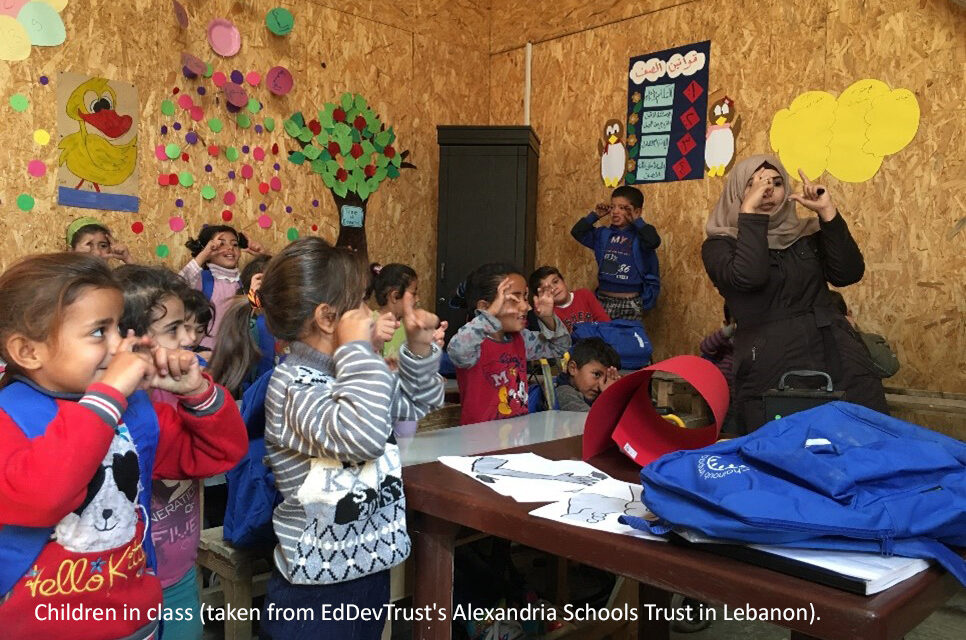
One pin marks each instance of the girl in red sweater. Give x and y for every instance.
(79, 444)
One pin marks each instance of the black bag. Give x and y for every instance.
(785, 401)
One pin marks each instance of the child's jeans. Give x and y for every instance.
(370, 594)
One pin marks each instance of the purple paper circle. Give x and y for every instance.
(44, 80)
(288, 209)
(201, 91)
(191, 137)
(177, 126)
(258, 128)
(208, 168)
(262, 207)
(164, 129)
(237, 77)
(277, 166)
(231, 175)
(315, 203)
(179, 202)
(244, 148)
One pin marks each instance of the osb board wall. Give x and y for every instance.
(417, 67)
(908, 219)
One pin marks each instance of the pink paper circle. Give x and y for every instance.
(185, 101)
(176, 223)
(253, 78)
(264, 221)
(235, 94)
(224, 38)
(180, 14)
(247, 171)
(159, 152)
(194, 65)
(276, 183)
(279, 80)
(258, 154)
(36, 168)
(219, 79)
(229, 198)
(197, 113)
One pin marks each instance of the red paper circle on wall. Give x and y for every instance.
(137, 227)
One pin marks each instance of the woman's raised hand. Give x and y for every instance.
(814, 197)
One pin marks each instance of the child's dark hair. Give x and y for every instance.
(236, 351)
(37, 290)
(87, 230)
(197, 245)
(540, 275)
(838, 301)
(591, 349)
(633, 195)
(145, 289)
(252, 269)
(199, 307)
(305, 274)
(482, 284)
(390, 278)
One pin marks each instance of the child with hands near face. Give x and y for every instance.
(593, 367)
(390, 285)
(88, 235)
(329, 414)
(80, 442)
(491, 350)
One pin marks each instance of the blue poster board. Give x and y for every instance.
(667, 99)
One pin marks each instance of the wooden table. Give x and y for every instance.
(442, 500)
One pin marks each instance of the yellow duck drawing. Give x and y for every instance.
(90, 157)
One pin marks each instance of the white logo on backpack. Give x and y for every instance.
(713, 467)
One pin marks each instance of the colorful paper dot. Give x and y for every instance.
(172, 179)
(231, 153)
(269, 124)
(179, 203)
(247, 172)
(162, 251)
(163, 180)
(175, 91)
(191, 137)
(19, 102)
(315, 203)
(208, 69)
(185, 179)
(226, 215)
(245, 148)
(259, 154)
(243, 120)
(160, 153)
(288, 209)
(208, 192)
(315, 227)
(185, 157)
(253, 78)
(258, 128)
(36, 168)
(177, 126)
(172, 150)
(263, 188)
(201, 91)
(229, 198)
(231, 175)
(275, 149)
(254, 106)
(264, 222)
(137, 227)
(197, 114)
(292, 234)
(208, 168)
(167, 107)
(237, 77)
(263, 207)
(275, 183)
(25, 202)
(185, 101)
(213, 150)
(215, 124)
(276, 166)
(219, 79)
(164, 129)
(44, 80)
(176, 223)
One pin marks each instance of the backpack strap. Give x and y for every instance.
(141, 421)
(32, 411)
(207, 283)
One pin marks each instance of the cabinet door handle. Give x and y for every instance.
(442, 271)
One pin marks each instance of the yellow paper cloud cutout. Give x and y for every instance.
(848, 136)
(14, 41)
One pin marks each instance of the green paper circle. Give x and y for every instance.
(215, 124)
(207, 192)
(19, 102)
(209, 70)
(292, 234)
(167, 107)
(162, 251)
(269, 124)
(243, 120)
(186, 179)
(254, 106)
(25, 201)
(280, 21)
(172, 150)
(231, 153)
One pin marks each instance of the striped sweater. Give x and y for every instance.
(328, 434)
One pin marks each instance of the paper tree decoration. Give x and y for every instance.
(353, 152)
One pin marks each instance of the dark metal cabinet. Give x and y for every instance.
(487, 205)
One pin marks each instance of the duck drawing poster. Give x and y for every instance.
(97, 120)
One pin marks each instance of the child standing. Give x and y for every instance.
(79, 444)
(627, 268)
(88, 235)
(571, 307)
(329, 411)
(491, 350)
(593, 366)
(213, 268)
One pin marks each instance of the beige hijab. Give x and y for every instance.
(784, 227)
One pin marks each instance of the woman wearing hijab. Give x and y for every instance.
(773, 269)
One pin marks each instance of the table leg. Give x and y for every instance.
(655, 626)
(433, 543)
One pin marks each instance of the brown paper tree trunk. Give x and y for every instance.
(352, 237)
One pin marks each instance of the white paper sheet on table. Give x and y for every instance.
(599, 506)
(527, 477)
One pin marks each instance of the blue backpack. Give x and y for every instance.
(252, 496)
(32, 410)
(628, 338)
(839, 476)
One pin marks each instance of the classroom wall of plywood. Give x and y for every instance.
(418, 63)
(908, 219)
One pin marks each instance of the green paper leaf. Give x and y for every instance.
(311, 152)
(373, 183)
(318, 166)
(340, 189)
(363, 190)
(243, 120)
(361, 103)
(325, 155)
(341, 129)
(367, 148)
(356, 135)
(332, 166)
(349, 163)
(296, 157)
(328, 180)
(382, 138)
(638, 106)
(633, 151)
(325, 119)
(299, 119)
(381, 174)
(345, 145)
(269, 124)
(629, 178)
(396, 160)
(392, 172)
(346, 101)
(305, 135)
(382, 162)
(293, 128)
